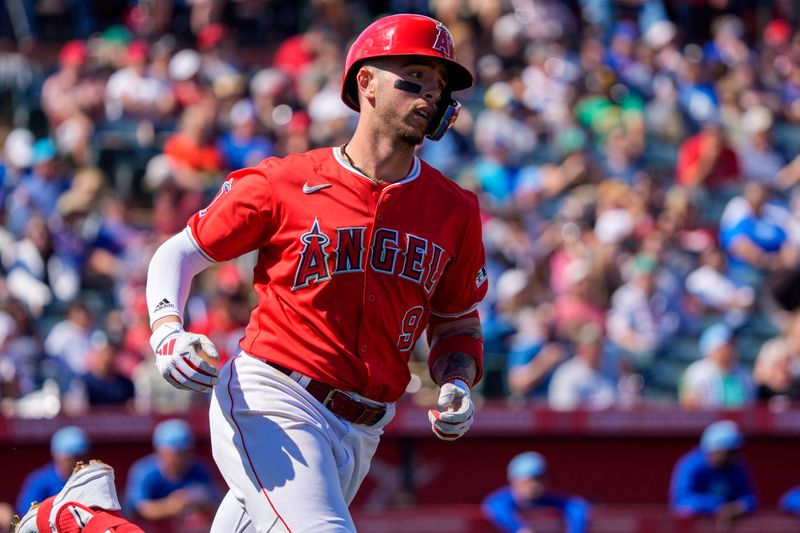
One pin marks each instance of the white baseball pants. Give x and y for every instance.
(291, 465)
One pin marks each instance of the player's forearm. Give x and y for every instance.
(457, 348)
(160, 509)
(169, 277)
(455, 365)
(698, 502)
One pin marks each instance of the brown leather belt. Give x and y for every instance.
(338, 401)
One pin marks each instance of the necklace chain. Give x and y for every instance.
(366, 174)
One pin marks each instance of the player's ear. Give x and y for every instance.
(366, 82)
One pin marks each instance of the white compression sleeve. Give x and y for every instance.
(176, 262)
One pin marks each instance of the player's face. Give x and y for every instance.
(174, 463)
(529, 488)
(65, 463)
(405, 114)
(720, 458)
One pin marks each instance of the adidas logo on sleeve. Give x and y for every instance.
(162, 305)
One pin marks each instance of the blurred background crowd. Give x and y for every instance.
(635, 160)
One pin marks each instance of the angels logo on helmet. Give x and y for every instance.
(444, 41)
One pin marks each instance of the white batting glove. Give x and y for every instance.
(454, 416)
(178, 361)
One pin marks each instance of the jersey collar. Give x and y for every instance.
(411, 176)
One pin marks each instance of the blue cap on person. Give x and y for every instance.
(173, 434)
(43, 150)
(70, 440)
(527, 465)
(714, 337)
(721, 436)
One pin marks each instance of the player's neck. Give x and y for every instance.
(380, 158)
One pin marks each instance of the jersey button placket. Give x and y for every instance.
(371, 298)
(379, 207)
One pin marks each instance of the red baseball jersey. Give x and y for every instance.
(348, 271)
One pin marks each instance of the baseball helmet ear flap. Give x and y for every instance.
(446, 114)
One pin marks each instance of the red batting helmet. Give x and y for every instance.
(403, 35)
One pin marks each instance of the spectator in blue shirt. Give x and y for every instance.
(533, 355)
(171, 483)
(67, 446)
(243, 146)
(713, 479)
(755, 237)
(38, 191)
(103, 383)
(527, 490)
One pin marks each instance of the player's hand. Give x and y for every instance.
(185, 359)
(727, 513)
(454, 416)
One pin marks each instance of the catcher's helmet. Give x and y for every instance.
(404, 35)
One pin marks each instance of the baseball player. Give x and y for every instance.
(361, 249)
(528, 489)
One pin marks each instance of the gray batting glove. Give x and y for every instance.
(178, 361)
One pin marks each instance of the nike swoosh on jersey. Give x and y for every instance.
(308, 189)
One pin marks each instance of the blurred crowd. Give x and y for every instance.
(635, 160)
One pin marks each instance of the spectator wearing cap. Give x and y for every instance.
(243, 145)
(67, 446)
(716, 381)
(579, 383)
(171, 484)
(628, 56)
(727, 46)
(38, 191)
(72, 99)
(69, 341)
(528, 490)
(103, 383)
(133, 94)
(216, 58)
(184, 71)
(640, 320)
(269, 88)
(760, 160)
(17, 158)
(713, 479)
(663, 116)
(503, 140)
